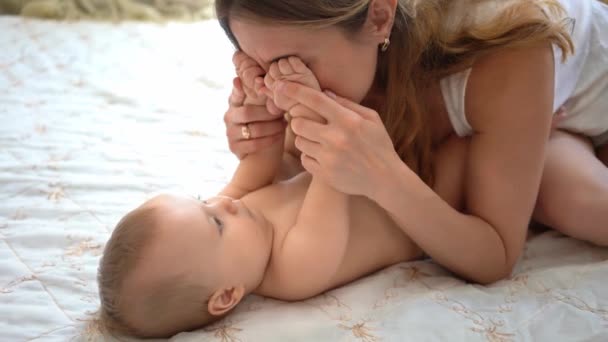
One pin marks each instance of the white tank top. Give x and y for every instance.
(581, 83)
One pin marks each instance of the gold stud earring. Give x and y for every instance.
(387, 43)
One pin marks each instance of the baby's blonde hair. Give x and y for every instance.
(172, 305)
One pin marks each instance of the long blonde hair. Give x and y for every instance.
(429, 40)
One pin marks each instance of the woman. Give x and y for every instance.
(409, 74)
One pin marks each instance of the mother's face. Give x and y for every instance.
(343, 64)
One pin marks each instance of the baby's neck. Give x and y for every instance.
(257, 205)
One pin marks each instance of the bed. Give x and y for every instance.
(97, 117)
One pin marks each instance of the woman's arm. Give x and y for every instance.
(509, 104)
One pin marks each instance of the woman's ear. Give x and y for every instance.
(224, 300)
(380, 18)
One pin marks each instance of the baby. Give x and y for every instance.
(178, 263)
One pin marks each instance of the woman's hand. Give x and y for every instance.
(352, 152)
(265, 128)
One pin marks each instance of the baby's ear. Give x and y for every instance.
(224, 300)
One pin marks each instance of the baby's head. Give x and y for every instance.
(177, 263)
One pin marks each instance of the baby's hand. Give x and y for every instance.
(248, 71)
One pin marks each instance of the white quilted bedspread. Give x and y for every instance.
(95, 118)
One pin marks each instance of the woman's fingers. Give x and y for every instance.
(310, 164)
(241, 148)
(365, 112)
(301, 111)
(311, 130)
(308, 147)
(256, 129)
(246, 114)
(311, 98)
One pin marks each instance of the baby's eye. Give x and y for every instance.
(219, 224)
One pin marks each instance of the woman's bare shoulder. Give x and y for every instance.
(508, 79)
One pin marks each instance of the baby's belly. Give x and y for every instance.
(375, 242)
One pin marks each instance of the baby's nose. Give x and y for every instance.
(225, 203)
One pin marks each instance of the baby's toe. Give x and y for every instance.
(298, 66)
(285, 67)
(269, 81)
(274, 71)
(302, 73)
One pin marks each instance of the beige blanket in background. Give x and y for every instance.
(113, 10)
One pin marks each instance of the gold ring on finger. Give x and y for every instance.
(246, 132)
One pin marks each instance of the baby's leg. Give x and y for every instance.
(573, 195)
(294, 70)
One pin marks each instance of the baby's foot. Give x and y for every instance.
(290, 69)
(248, 71)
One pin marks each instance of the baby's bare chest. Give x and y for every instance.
(375, 241)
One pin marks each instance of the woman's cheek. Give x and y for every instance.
(328, 81)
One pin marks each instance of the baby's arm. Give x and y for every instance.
(259, 169)
(315, 246)
(255, 171)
